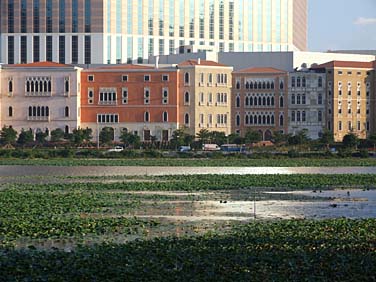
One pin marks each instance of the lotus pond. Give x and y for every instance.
(189, 228)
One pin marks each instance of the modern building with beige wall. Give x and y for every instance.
(205, 91)
(119, 31)
(350, 98)
(40, 96)
(259, 101)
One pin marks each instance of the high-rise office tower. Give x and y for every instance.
(120, 31)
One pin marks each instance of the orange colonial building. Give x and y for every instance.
(142, 100)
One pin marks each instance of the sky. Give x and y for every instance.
(341, 25)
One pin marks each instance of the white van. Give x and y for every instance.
(210, 147)
(184, 148)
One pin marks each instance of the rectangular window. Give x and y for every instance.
(62, 49)
(49, 48)
(124, 95)
(358, 126)
(161, 17)
(87, 17)
(11, 16)
(61, 16)
(23, 15)
(165, 77)
(36, 49)
(90, 78)
(340, 125)
(75, 49)
(23, 49)
(74, 16)
(147, 77)
(124, 78)
(49, 16)
(108, 118)
(36, 16)
(87, 49)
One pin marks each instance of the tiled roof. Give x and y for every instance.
(202, 63)
(345, 64)
(125, 67)
(261, 70)
(41, 65)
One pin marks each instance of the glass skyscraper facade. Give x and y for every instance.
(120, 31)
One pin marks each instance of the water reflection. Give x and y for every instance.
(17, 171)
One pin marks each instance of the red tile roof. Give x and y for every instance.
(261, 70)
(125, 67)
(41, 65)
(202, 63)
(345, 64)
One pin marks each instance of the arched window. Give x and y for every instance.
(268, 135)
(264, 85)
(255, 119)
(251, 85)
(264, 101)
(186, 119)
(186, 98)
(10, 111)
(259, 101)
(42, 111)
(247, 101)
(246, 119)
(27, 86)
(247, 85)
(293, 116)
(250, 119)
(30, 111)
(304, 81)
(36, 86)
(255, 101)
(34, 111)
(268, 119)
(49, 86)
(319, 99)
(264, 119)
(268, 85)
(259, 119)
(40, 86)
(293, 99)
(293, 82)
(67, 86)
(45, 87)
(47, 112)
(10, 86)
(259, 85)
(32, 87)
(165, 117)
(66, 130)
(38, 111)
(298, 82)
(281, 121)
(272, 120)
(272, 101)
(66, 111)
(281, 85)
(272, 85)
(238, 101)
(256, 85)
(238, 85)
(281, 102)
(146, 117)
(250, 101)
(268, 101)
(186, 78)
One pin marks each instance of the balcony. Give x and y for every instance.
(38, 94)
(38, 118)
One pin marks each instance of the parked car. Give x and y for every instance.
(232, 148)
(184, 148)
(211, 147)
(116, 149)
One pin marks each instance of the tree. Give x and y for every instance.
(300, 138)
(350, 141)
(106, 136)
(203, 136)
(279, 137)
(252, 136)
(80, 136)
(130, 139)
(218, 138)
(326, 138)
(372, 140)
(25, 137)
(235, 139)
(57, 135)
(40, 137)
(8, 135)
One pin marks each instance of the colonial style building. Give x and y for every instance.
(139, 99)
(205, 96)
(259, 101)
(307, 102)
(350, 98)
(40, 96)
